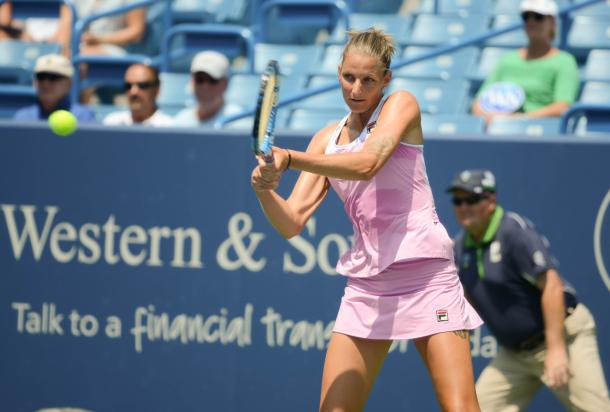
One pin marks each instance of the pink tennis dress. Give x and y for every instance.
(402, 280)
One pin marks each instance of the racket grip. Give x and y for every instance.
(268, 158)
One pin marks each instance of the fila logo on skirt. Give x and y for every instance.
(442, 315)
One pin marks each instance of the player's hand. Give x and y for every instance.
(264, 178)
(556, 368)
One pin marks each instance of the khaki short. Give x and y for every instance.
(512, 379)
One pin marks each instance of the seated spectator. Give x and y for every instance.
(537, 81)
(142, 89)
(35, 29)
(209, 81)
(110, 35)
(53, 79)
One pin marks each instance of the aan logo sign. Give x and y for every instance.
(599, 241)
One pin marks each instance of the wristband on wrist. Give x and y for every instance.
(289, 159)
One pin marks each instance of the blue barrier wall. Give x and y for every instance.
(137, 272)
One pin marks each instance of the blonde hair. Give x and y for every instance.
(373, 42)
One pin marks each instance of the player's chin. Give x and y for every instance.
(358, 106)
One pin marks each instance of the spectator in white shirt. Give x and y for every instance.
(209, 81)
(142, 89)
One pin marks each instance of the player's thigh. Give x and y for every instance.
(447, 357)
(350, 369)
(508, 383)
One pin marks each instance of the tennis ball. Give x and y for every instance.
(62, 122)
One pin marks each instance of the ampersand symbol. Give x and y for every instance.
(239, 228)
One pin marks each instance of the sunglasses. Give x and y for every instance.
(141, 85)
(525, 16)
(201, 78)
(469, 200)
(53, 77)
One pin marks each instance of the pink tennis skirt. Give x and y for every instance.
(408, 300)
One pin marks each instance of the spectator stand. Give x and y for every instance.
(109, 70)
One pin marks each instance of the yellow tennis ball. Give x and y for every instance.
(62, 122)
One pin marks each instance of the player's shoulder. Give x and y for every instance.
(401, 97)
(320, 140)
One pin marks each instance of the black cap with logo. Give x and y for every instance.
(475, 181)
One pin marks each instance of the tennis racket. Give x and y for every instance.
(266, 109)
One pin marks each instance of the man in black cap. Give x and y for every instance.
(546, 335)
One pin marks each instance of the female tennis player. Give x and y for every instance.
(401, 279)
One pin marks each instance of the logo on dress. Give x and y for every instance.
(442, 315)
(370, 126)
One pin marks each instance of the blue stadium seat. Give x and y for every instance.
(490, 56)
(435, 96)
(15, 75)
(23, 9)
(183, 41)
(22, 55)
(175, 90)
(193, 11)
(298, 21)
(431, 30)
(599, 10)
(313, 119)
(445, 66)
(585, 119)
(597, 66)
(466, 7)
(515, 38)
(330, 100)
(595, 93)
(13, 98)
(588, 33)
(243, 88)
(524, 126)
(375, 6)
(512, 39)
(450, 124)
(459, 7)
(397, 25)
(292, 59)
(331, 57)
(105, 70)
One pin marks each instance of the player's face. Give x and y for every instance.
(472, 210)
(362, 80)
(51, 87)
(141, 89)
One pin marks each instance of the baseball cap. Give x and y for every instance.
(213, 63)
(545, 7)
(54, 63)
(475, 181)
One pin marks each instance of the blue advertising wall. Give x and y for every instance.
(137, 272)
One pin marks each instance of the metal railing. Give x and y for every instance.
(80, 25)
(437, 51)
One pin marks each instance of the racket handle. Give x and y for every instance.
(268, 158)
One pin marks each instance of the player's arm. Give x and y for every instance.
(398, 121)
(288, 216)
